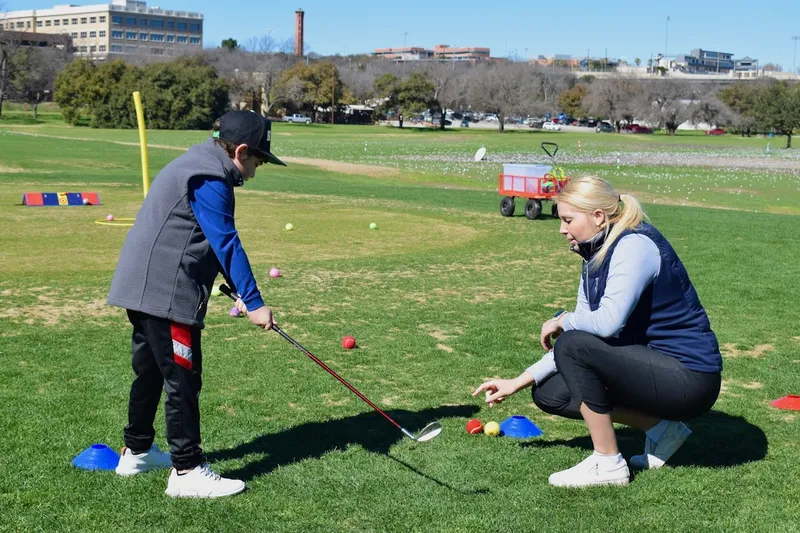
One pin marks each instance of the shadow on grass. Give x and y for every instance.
(718, 440)
(314, 439)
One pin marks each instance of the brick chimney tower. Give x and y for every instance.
(298, 32)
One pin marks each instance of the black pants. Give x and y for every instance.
(165, 355)
(602, 375)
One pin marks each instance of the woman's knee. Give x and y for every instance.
(572, 345)
(558, 404)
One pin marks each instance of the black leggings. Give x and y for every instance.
(601, 375)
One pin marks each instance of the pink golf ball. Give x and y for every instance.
(110, 218)
(234, 312)
(274, 273)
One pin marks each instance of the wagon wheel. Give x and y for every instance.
(554, 210)
(507, 206)
(533, 208)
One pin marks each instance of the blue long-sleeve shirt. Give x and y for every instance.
(212, 203)
(634, 265)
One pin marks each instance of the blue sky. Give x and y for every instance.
(626, 28)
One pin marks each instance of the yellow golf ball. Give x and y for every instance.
(492, 429)
(289, 226)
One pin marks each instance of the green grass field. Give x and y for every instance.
(445, 294)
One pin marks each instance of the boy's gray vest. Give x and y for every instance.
(167, 267)
(668, 317)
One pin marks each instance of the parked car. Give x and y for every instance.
(297, 118)
(551, 126)
(535, 124)
(641, 129)
(465, 123)
(715, 131)
(604, 127)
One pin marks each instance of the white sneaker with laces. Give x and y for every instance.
(152, 459)
(592, 471)
(201, 482)
(657, 453)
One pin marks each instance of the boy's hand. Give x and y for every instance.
(261, 317)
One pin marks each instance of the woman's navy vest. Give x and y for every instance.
(668, 316)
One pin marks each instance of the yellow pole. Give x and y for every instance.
(137, 99)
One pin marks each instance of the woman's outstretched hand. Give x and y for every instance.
(497, 390)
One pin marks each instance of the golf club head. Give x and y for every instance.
(429, 432)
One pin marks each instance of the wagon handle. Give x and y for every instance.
(555, 149)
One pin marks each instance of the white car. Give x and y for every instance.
(297, 118)
(551, 126)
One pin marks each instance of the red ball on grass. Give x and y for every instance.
(349, 342)
(474, 426)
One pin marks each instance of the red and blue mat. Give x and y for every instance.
(40, 199)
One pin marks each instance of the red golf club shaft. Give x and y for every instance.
(227, 291)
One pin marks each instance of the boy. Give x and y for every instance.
(183, 236)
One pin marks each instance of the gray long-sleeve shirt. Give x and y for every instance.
(634, 264)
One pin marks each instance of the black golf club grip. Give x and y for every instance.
(224, 289)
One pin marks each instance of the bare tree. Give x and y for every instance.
(614, 98)
(500, 89)
(550, 83)
(38, 77)
(667, 103)
(449, 84)
(270, 67)
(709, 109)
(359, 78)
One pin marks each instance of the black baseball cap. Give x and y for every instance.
(247, 127)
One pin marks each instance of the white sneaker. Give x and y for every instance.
(592, 471)
(658, 453)
(152, 459)
(201, 482)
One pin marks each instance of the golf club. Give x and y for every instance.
(427, 433)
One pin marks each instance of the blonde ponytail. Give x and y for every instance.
(623, 211)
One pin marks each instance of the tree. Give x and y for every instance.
(449, 87)
(666, 103)
(571, 100)
(181, 94)
(709, 109)
(772, 67)
(271, 60)
(74, 90)
(741, 98)
(10, 48)
(614, 98)
(230, 44)
(387, 91)
(416, 94)
(501, 89)
(637, 61)
(307, 87)
(37, 78)
(778, 108)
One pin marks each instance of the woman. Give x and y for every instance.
(638, 349)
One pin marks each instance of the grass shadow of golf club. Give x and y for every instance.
(718, 440)
(314, 439)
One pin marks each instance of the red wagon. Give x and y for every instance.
(537, 183)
